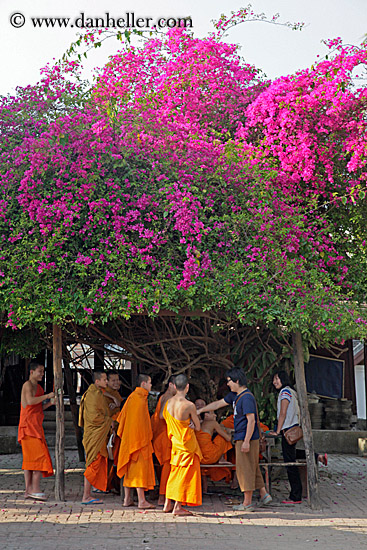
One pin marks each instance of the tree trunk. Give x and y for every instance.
(74, 409)
(60, 426)
(312, 474)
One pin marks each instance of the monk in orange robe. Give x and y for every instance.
(214, 449)
(184, 481)
(161, 442)
(135, 462)
(114, 401)
(112, 394)
(36, 457)
(229, 423)
(94, 417)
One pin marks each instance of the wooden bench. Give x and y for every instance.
(269, 465)
(266, 465)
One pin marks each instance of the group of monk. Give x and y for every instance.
(180, 434)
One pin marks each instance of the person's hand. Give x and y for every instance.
(192, 425)
(50, 395)
(271, 432)
(245, 447)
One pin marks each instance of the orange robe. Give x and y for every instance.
(184, 482)
(228, 422)
(212, 451)
(135, 462)
(36, 456)
(114, 413)
(95, 418)
(161, 445)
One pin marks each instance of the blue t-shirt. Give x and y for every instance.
(243, 404)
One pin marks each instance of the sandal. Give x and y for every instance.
(37, 496)
(231, 501)
(243, 508)
(266, 499)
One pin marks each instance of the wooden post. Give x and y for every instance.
(312, 474)
(60, 426)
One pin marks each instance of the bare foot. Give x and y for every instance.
(146, 506)
(167, 510)
(161, 500)
(182, 512)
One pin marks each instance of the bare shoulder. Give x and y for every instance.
(168, 403)
(27, 386)
(189, 407)
(209, 424)
(164, 399)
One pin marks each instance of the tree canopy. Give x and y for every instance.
(182, 178)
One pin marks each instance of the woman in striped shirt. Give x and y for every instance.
(288, 416)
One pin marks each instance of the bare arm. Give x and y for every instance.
(222, 431)
(29, 399)
(213, 406)
(245, 447)
(284, 404)
(47, 405)
(115, 400)
(194, 417)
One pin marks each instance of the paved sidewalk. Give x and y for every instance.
(26, 524)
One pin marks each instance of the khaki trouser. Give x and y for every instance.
(247, 467)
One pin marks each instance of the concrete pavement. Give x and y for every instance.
(27, 524)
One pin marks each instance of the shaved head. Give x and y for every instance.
(98, 374)
(181, 382)
(142, 378)
(200, 403)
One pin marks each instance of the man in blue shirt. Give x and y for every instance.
(246, 437)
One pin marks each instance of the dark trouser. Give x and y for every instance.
(289, 455)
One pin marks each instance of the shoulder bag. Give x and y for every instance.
(293, 434)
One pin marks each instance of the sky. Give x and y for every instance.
(277, 50)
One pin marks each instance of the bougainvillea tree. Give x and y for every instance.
(182, 181)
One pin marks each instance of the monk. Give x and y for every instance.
(114, 402)
(161, 442)
(36, 457)
(135, 462)
(112, 394)
(184, 481)
(214, 449)
(199, 403)
(94, 417)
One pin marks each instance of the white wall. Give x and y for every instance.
(360, 391)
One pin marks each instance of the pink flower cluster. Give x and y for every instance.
(182, 179)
